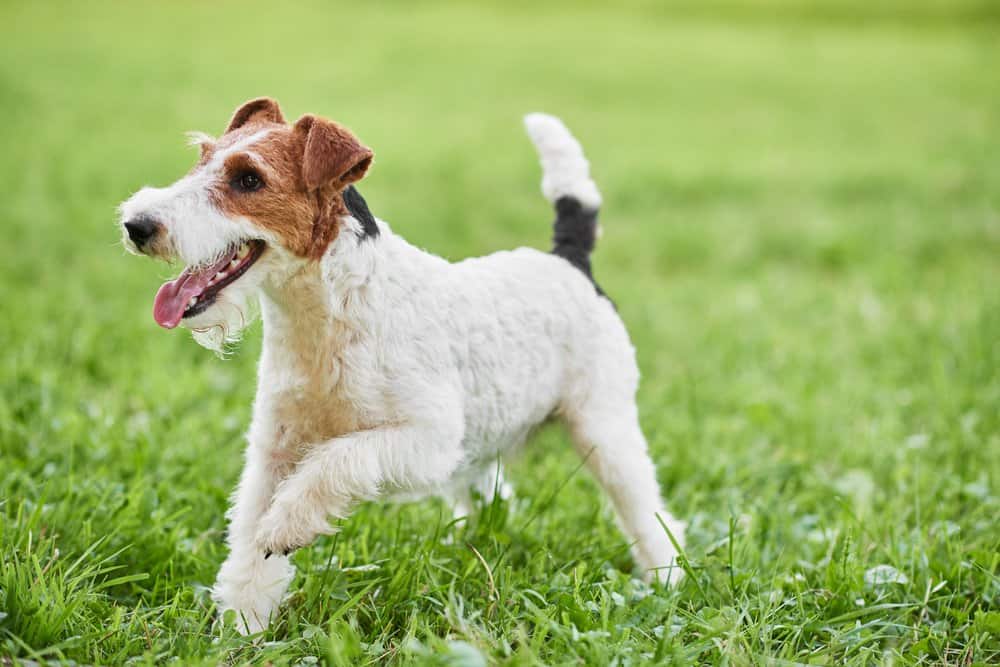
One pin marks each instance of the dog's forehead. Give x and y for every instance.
(270, 143)
(251, 133)
(261, 138)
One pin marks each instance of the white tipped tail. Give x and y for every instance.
(565, 170)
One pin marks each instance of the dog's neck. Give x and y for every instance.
(309, 324)
(302, 297)
(317, 311)
(313, 311)
(298, 302)
(332, 302)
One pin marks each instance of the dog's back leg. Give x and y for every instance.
(608, 436)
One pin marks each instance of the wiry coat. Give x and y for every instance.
(388, 371)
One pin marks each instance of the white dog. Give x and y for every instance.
(387, 371)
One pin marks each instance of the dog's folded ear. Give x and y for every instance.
(333, 156)
(261, 109)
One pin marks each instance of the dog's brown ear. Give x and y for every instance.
(332, 154)
(260, 109)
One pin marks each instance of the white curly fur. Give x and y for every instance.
(565, 170)
(387, 371)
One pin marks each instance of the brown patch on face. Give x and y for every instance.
(281, 204)
(303, 171)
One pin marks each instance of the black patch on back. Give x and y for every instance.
(574, 235)
(358, 208)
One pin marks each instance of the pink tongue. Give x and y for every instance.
(172, 298)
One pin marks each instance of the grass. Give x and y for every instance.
(802, 232)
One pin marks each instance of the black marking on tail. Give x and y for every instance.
(358, 208)
(574, 235)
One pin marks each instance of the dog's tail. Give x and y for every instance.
(567, 184)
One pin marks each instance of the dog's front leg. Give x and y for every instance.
(247, 583)
(352, 468)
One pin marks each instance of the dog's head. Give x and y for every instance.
(263, 200)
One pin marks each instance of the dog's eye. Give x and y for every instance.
(248, 181)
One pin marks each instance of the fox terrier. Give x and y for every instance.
(387, 371)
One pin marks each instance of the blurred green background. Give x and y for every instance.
(801, 233)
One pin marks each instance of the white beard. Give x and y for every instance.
(221, 327)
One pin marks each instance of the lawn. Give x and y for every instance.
(801, 231)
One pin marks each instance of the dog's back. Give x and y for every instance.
(531, 332)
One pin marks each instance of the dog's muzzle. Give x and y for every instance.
(142, 231)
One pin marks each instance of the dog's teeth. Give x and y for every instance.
(233, 264)
(219, 276)
(192, 302)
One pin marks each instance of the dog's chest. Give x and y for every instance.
(306, 416)
(307, 399)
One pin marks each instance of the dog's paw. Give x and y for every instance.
(282, 530)
(246, 621)
(252, 588)
(658, 555)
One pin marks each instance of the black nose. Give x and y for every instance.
(141, 230)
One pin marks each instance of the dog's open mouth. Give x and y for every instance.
(197, 287)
